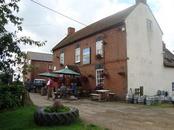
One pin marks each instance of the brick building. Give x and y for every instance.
(121, 51)
(38, 63)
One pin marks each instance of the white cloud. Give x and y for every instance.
(34, 36)
(108, 9)
(165, 20)
(53, 27)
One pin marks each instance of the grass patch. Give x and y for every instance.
(163, 105)
(158, 105)
(22, 119)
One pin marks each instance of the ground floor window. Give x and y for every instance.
(99, 77)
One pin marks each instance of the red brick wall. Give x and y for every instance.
(115, 60)
(38, 67)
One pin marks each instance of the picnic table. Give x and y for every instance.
(103, 91)
(104, 94)
(100, 95)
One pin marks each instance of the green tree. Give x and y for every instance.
(10, 52)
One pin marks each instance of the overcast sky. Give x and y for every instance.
(42, 24)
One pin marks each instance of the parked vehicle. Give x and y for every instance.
(38, 84)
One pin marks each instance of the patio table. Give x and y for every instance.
(103, 91)
(104, 94)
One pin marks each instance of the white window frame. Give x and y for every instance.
(99, 47)
(50, 66)
(62, 58)
(77, 55)
(54, 68)
(99, 77)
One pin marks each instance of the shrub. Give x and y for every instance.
(10, 96)
(53, 109)
(57, 104)
(57, 107)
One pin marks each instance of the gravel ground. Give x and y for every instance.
(118, 116)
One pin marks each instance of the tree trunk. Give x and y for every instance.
(26, 98)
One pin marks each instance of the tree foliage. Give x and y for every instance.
(10, 52)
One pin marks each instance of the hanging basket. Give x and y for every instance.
(99, 56)
(61, 65)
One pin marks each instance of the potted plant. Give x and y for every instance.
(99, 56)
(61, 64)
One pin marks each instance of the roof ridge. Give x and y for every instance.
(96, 27)
(39, 52)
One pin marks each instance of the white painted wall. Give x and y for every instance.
(145, 53)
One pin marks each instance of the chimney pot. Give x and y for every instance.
(71, 30)
(141, 1)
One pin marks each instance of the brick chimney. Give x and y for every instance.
(71, 31)
(141, 1)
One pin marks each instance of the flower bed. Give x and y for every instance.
(58, 110)
(56, 115)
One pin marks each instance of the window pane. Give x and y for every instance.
(86, 56)
(77, 55)
(99, 47)
(149, 24)
(62, 58)
(99, 77)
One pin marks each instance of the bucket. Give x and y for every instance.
(141, 100)
(129, 99)
(135, 100)
(149, 101)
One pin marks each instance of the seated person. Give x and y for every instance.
(74, 88)
(63, 90)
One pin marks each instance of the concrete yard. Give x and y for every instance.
(118, 116)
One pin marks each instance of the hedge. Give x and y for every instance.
(11, 95)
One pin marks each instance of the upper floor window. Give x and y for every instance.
(77, 55)
(54, 68)
(99, 47)
(86, 56)
(149, 24)
(50, 67)
(62, 58)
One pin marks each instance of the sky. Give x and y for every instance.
(41, 24)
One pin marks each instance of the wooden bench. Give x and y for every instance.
(95, 96)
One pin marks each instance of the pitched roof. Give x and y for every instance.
(168, 58)
(39, 56)
(96, 27)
